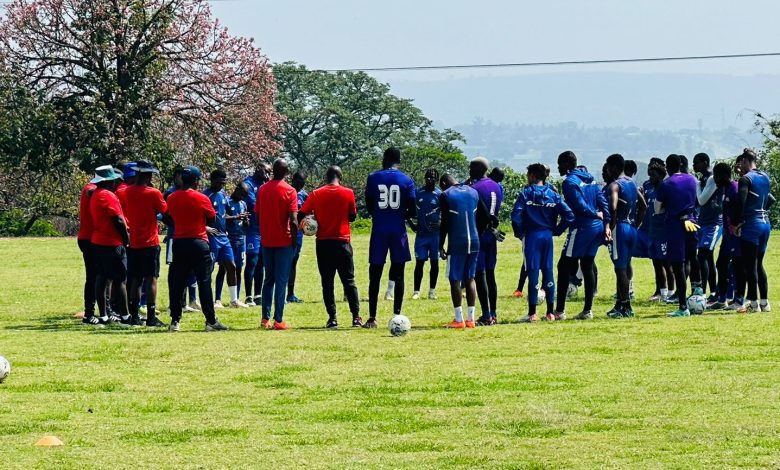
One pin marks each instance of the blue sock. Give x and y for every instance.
(492, 314)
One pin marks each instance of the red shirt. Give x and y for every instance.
(104, 207)
(189, 210)
(142, 204)
(275, 201)
(85, 215)
(120, 193)
(332, 205)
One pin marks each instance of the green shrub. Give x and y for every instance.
(13, 222)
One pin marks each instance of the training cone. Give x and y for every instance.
(49, 441)
(78, 315)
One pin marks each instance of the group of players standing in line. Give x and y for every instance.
(673, 219)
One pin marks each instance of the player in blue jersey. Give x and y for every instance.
(236, 218)
(426, 242)
(390, 200)
(463, 218)
(492, 196)
(624, 201)
(298, 182)
(753, 229)
(710, 220)
(535, 220)
(253, 271)
(219, 242)
(676, 198)
(651, 236)
(586, 200)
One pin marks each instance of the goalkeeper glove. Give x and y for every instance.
(500, 236)
(690, 226)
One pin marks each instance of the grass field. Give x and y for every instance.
(649, 392)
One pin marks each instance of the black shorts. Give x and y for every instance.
(111, 262)
(143, 262)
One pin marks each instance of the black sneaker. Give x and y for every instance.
(332, 323)
(114, 319)
(371, 323)
(155, 322)
(91, 321)
(174, 326)
(673, 299)
(216, 326)
(357, 322)
(485, 321)
(136, 321)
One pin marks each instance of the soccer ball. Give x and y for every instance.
(697, 303)
(5, 368)
(571, 291)
(541, 298)
(309, 226)
(399, 325)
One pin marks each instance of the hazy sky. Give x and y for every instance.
(365, 33)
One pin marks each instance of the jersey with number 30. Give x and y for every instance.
(390, 191)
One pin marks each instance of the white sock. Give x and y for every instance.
(472, 309)
(458, 314)
(390, 286)
(233, 293)
(664, 292)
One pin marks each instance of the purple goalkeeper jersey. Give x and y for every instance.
(389, 192)
(678, 195)
(491, 194)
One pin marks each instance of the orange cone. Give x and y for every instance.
(49, 441)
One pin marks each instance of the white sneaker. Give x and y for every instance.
(389, 295)
(218, 304)
(250, 302)
(238, 304)
(194, 305)
(432, 294)
(766, 308)
(733, 306)
(188, 309)
(416, 296)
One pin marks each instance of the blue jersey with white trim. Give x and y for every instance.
(235, 227)
(755, 206)
(219, 201)
(538, 208)
(628, 194)
(428, 211)
(461, 203)
(389, 192)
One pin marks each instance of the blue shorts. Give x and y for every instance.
(239, 252)
(642, 245)
(463, 267)
(220, 249)
(709, 236)
(253, 244)
(488, 255)
(622, 247)
(538, 250)
(396, 244)
(679, 243)
(730, 246)
(426, 247)
(657, 250)
(757, 234)
(583, 241)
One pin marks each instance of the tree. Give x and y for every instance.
(130, 73)
(770, 156)
(348, 118)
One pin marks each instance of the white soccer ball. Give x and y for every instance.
(309, 226)
(399, 325)
(696, 304)
(5, 368)
(541, 298)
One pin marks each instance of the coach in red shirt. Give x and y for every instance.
(277, 211)
(190, 211)
(142, 203)
(109, 238)
(334, 207)
(85, 245)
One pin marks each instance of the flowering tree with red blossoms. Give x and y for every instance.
(160, 79)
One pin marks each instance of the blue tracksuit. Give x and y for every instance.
(426, 243)
(535, 219)
(624, 233)
(583, 195)
(756, 226)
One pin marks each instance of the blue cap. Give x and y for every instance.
(129, 170)
(192, 170)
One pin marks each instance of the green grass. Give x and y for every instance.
(649, 392)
